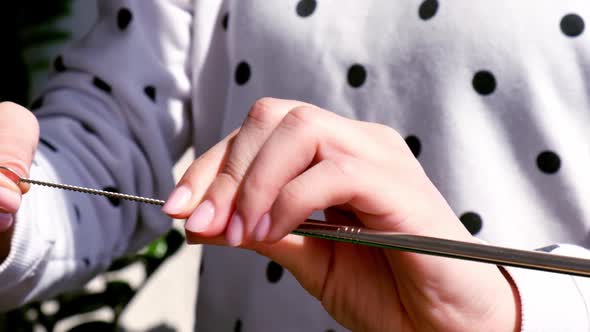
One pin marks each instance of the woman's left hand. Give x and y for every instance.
(290, 159)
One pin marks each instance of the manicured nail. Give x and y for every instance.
(177, 200)
(235, 231)
(261, 230)
(201, 217)
(6, 220)
(9, 200)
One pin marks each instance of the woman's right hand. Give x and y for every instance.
(289, 159)
(19, 134)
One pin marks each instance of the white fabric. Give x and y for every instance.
(480, 150)
(561, 298)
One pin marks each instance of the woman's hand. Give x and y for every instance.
(290, 159)
(19, 133)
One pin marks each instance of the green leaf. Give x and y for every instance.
(157, 249)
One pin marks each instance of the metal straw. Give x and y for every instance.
(535, 260)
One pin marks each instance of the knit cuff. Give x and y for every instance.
(549, 301)
(29, 249)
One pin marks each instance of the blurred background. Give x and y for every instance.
(153, 290)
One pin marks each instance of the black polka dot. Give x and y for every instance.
(306, 7)
(37, 104)
(114, 200)
(48, 144)
(242, 73)
(86, 261)
(484, 82)
(414, 144)
(356, 75)
(35, 162)
(225, 21)
(102, 85)
(238, 326)
(150, 91)
(572, 25)
(124, 17)
(548, 162)
(274, 272)
(428, 9)
(77, 212)
(548, 248)
(471, 221)
(88, 128)
(58, 64)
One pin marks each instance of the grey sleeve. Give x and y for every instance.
(113, 116)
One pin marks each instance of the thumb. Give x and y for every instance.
(19, 133)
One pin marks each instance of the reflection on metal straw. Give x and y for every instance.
(391, 240)
(535, 260)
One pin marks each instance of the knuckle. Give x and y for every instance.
(294, 191)
(257, 183)
(233, 171)
(32, 123)
(250, 193)
(300, 119)
(388, 132)
(261, 113)
(388, 135)
(303, 114)
(18, 113)
(346, 167)
(8, 105)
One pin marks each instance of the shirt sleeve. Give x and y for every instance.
(553, 301)
(113, 116)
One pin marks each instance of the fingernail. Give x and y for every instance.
(262, 228)
(9, 200)
(6, 220)
(235, 231)
(177, 200)
(201, 217)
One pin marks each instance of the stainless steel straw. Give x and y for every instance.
(535, 260)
